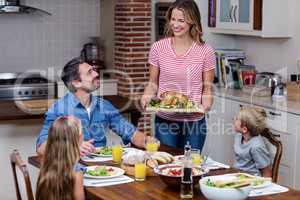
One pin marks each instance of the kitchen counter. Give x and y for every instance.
(32, 109)
(290, 105)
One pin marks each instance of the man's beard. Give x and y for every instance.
(92, 88)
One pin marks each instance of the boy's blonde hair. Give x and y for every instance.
(57, 178)
(253, 118)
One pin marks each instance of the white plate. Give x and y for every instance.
(100, 155)
(265, 184)
(117, 172)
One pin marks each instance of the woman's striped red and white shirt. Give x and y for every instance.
(181, 73)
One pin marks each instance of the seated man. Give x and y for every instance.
(96, 114)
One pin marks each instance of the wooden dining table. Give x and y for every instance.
(154, 189)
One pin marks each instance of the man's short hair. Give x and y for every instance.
(71, 72)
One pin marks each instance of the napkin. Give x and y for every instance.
(212, 164)
(92, 182)
(96, 159)
(271, 189)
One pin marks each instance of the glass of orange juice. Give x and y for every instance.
(196, 157)
(140, 170)
(152, 144)
(117, 151)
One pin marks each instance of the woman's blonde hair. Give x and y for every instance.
(56, 179)
(253, 118)
(191, 15)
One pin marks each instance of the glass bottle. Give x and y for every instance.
(186, 187)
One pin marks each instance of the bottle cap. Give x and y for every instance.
(187, 147)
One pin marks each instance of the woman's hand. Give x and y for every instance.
(207, 94)
(207, 103)
(145, 100)
(151, 88)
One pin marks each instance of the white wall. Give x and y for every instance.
(21, 135)
(39, 41)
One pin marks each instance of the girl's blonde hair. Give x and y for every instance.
(192, 17)
(253, 118)
(56, 179)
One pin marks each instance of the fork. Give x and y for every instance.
(91, 156)
(108, 181)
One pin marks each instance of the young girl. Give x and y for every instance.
(58, 179)
(184, 63)
(251, 153)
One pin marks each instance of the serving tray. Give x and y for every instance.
(198, 109)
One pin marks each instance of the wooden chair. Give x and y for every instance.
(15, 160)
(272, 139)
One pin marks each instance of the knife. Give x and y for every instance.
(109, 181)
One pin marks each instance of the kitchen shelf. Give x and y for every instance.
(252, 33)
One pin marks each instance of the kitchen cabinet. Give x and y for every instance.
(297, 160)
(262, 18)
(220, 130)
(285, 124)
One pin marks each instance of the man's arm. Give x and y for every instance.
(42, 139)
(139, 139)
(40, 150)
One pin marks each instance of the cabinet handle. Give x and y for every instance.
(274, 114)
(276, 135)
(234, 13)
(230, 13)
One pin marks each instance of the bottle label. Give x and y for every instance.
(187, 175)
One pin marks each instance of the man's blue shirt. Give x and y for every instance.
(103, 116)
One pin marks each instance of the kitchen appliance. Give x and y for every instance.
(268, 79)
(25, 86)
(93, 53)
(280, 92)
(14, 6)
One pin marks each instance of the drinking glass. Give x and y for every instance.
(117, 151)
(196, 157)
(140, 170)
(152, 144)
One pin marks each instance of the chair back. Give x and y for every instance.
(17, 162)
(275, 151)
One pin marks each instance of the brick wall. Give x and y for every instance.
(132, 45)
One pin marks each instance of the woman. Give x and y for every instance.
(58, 178)
(184, 63)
